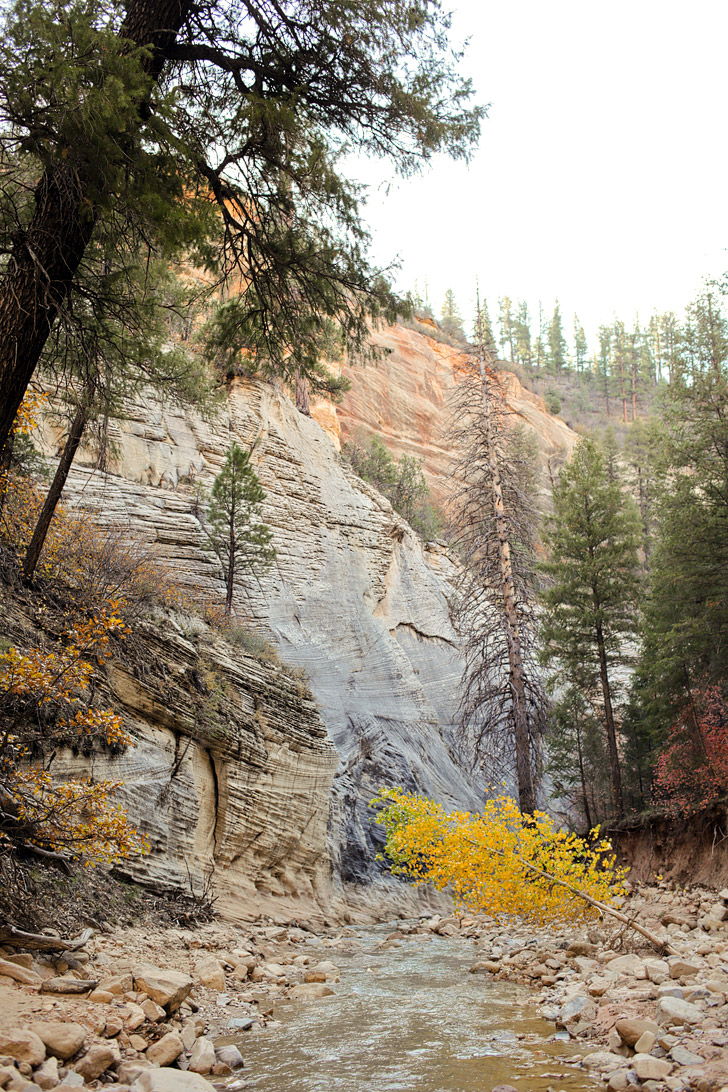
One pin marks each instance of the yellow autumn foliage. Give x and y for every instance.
(500, 861)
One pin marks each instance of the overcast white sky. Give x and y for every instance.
(601, 175)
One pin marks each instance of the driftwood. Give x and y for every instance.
(16, 938)
(68, 985)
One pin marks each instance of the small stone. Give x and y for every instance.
(628, 964)
(152, 1011)
(622, 1080)
(680, 968)
(189, 1034)
(221, 1070)
(672, 1010)
(657, 970)
(61, 1039)
(319, 976)
(645, 1042)
(133, 1016)
(240, 1023)
(97, 1059)
(138, 1043)
(23, 1046)
(72, 1080)
(648, 1068)
(579, 1009)
(630, 1029)
(129, 1071)
(117, 985)
(167, 1049)
(46, 1075)
(603, 1060)
(101, 997)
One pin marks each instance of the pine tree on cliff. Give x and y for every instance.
(236, 532)
(139, 112)
(557, 360)
(450, 318)
(590, 607)
(494, 521)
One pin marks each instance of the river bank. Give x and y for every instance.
(169, 1010)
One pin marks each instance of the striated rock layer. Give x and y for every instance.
(354, 598)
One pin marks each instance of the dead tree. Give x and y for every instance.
(494, 524)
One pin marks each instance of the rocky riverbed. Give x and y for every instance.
(170, 1010)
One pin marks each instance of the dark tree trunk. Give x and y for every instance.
(46, 256)
(616, 773)
(54, 493)
(302, 404)
(582, 776)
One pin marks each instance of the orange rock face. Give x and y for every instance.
(406, 399)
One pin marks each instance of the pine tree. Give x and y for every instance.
(234, 527)
(507, 328)
(581, 348)
(522, 335)
(590, 607)
(557, 362)
(450, 317)
(146, 109)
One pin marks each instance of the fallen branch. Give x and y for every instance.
(16, 938)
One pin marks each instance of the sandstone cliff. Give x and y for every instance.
(407, 398)
(354, 598)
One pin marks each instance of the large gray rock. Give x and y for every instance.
(675, 1011)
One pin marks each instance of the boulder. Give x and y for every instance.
(22, 1045)
(167, 1049)
(166, 988)
(202, 1058)
(630, 1029)
(117, 985)
(229, 1055)
(673, 1010)
(152, 1011)
(170, 1080)
(97, 1059)
(648, 1068)
(681, 968)
(62, 1039)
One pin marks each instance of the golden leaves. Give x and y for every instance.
(501, 862)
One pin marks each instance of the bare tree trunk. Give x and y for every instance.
(526, 796)
(46, 256)
(35, 546)
(302, 404)
(616, 773)
(231, 571)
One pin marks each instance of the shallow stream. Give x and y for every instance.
(410, 1019)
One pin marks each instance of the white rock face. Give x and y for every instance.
(354, 598)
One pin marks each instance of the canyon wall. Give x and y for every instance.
(355, 599)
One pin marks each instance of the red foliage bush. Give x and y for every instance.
(692, 769)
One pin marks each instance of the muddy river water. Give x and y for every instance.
(410, 1019)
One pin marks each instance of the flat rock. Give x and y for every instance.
(673, 1010)
(117, 985)
(22, 1045)
(62, 1039)
(603, 1060)
(682, 1056)
(628, 964)
(166, 988)
(24, 975)
(648, 1068)
(310, 991)
(170, 1080)
(681, 968)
